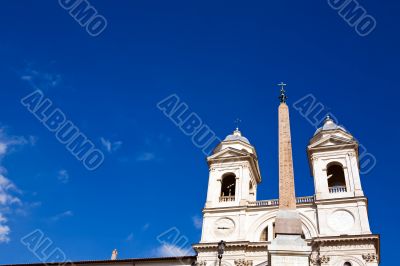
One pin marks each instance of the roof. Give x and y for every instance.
(329, 124)
(236, 135)
(88, 262)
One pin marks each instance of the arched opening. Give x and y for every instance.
(267, 236)
(347, 264)
(228, 188)
(264, 235)
(336, 178)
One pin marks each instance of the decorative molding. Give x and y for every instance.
(370, 257)
(352, 154)
(238, 245)
(242, 262)
(200, 263)
(314, 158)
(314, 259)
(324, 260)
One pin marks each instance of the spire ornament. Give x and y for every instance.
(283, 96)
(237, 123)
(237, 131)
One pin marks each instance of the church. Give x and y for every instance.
(328, 228)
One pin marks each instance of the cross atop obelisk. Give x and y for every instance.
(287, 197)
(283, 96)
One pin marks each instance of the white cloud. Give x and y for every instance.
(3, 148)
(33, 140)
(8, 143)
(197, 222)
(8, 190)
(63, 176)
(38, 79)
(159, 140)
(25, 209)
(170, 250)
(129, 237)
(4, 230)
(145, 227)
(62, 215)
(145, 156)
(110, 146)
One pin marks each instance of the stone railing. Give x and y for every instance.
(308, 199)
(226, 198)
(337, 189)
(275, 202)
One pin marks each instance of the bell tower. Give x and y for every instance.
(333, 157)
(234, 172)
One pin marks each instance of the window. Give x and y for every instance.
(273, 231)
(336, 178)
(228, 185)
(251, 189)
(347, 264)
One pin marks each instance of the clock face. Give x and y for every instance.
(224, 227)
(341, 220)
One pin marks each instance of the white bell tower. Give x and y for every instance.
(333, 156)
(234, 173)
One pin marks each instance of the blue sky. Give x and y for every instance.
(222, 58)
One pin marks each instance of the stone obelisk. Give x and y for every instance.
(288, 248)
(288, 222)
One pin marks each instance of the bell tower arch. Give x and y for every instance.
(234, 172)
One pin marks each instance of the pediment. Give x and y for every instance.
(228, 153)
(331, 141)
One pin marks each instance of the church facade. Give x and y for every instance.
(333, 223)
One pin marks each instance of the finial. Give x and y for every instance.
(237, 122)
(283, 96)
(114, 255)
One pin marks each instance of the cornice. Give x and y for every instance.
(341, 200)
(345, 238)
(328, 241)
